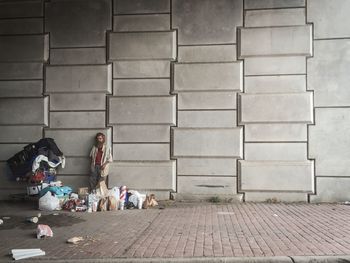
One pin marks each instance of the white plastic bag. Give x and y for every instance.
(43, 231)
(48, 202)
(136, 198)
(114, 192)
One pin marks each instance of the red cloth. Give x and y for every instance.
(99, 157)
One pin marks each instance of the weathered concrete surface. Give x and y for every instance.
(275, 17)
(280, 108)
(297, 176)
(276, 41)
(335, 26)
(215, 24)
(67, 28)
(328, 73)
(142, 45)
(156, 22)
(328, 142)
(144, 175)
(79, 78)
(257, 4)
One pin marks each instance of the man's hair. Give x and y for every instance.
(97, 135)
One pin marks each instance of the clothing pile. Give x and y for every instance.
(36, 164)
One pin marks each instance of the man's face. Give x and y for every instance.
(100, 139)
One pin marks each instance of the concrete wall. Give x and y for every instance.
(242, 99)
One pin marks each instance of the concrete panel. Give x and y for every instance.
(22, 88)
(275, 151)
(275, 41)
(76, 165)
(142, 110)
(331, 190)
(277, 176)
(142, 45)
(24, 48)
(207, 142)
(141, 23)
(76, 101)
(256, 4)
(206, 166)
(281, 132)
(209, 76)
(20, 134)
(141, 6)
(21, 26)
(141, 152)
(74, 181)
(96, 78)
(206, 21)
(212, 186)
(328, 142)
(7, 181)
(274, 65)
(141, 87)
(292, 107)
(8, 150)
(328, 73)
(144, 175)
(207, 100)
(141, 69)
(337, 14)
(12, 71)
(275, 84)
(275, 196)
(275, 17)
(76, 143)
(78, 56)
(216, 53)
(9, 9)
(77, 119)
(141, 133)
(32, 111)
(78, 23)
(207, 119)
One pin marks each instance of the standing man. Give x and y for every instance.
(101, 156)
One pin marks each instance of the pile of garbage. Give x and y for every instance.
(116, 198)
(36, 165)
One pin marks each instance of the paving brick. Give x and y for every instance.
(187, 230)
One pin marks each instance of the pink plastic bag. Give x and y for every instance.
(43, 231)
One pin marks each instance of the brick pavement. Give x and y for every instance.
(185, 230)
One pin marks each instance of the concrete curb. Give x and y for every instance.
(278, 259)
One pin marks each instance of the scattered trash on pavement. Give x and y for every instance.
(43, 231)
(6, 217)
(75, 240)
(226, 213)
(347, 203)
(150, 201)
(275, 215)
(1, 221)
(26, 253)
(32, 219)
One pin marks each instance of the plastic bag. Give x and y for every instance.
(114, 192)
(43, 231)
(48, 202)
